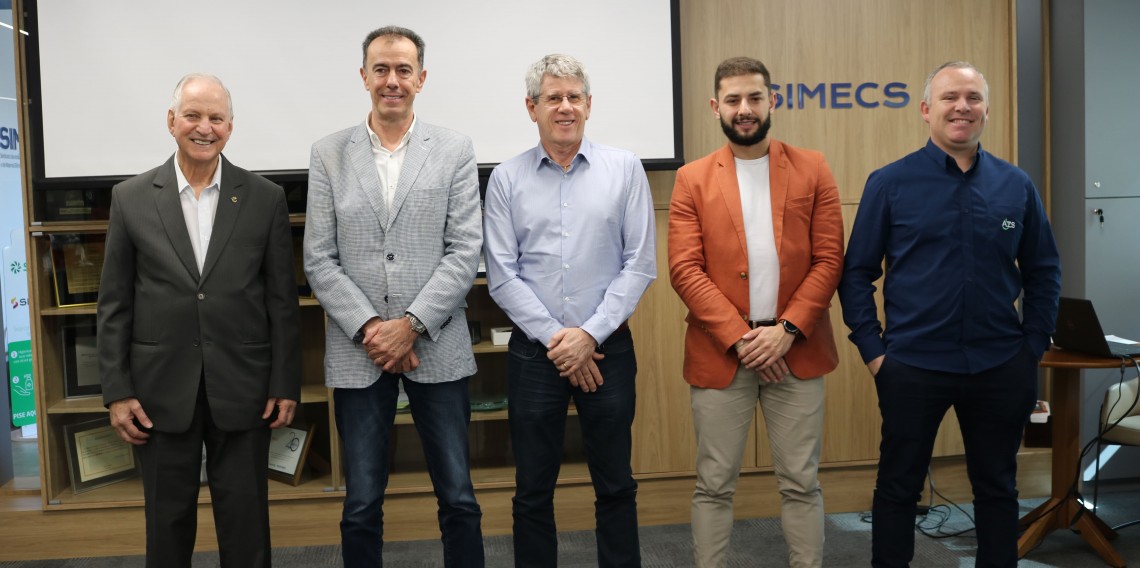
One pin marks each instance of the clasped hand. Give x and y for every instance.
(389, 344)
(763, 351)
(573, 352)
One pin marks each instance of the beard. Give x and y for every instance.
(746, 140)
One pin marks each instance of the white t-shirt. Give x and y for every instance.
(763, 262)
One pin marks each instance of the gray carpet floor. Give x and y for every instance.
(755, 543)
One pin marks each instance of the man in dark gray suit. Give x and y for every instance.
(392, 243)
(199, 332)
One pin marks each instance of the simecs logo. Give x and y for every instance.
(17, 302)
(9, 138)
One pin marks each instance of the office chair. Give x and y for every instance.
(1120, 415)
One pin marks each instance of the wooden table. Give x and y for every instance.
(1058, 512)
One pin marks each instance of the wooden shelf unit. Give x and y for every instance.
(59, 410)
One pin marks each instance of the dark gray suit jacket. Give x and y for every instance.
(162, 326)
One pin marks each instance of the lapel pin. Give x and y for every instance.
(234, 199)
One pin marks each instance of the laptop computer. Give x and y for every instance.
(1078, 329)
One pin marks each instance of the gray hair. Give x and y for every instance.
(558, 66)
(955, 65)
(176, 101)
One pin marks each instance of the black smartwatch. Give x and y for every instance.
(789, 327)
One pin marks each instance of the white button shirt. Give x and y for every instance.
(199, 211)
(389, 162)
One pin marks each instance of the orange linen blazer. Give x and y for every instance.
(708, 260)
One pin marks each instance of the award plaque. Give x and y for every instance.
(80, 361)
(288, 450)
(96, 456)
(76, 265)
(75, 204)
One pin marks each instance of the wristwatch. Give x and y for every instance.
(417, 325)
(789, 327)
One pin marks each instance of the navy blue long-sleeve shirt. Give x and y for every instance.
(960, 247)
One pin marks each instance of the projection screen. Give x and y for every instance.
(106, 70)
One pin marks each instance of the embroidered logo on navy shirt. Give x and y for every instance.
(1006, 225)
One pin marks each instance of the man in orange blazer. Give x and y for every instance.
(756, 252)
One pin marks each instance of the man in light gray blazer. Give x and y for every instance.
(199, 332)
(392, 241)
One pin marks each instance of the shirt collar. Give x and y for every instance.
(941, 157)
(183, 183)
(586, 150)
(375, 139)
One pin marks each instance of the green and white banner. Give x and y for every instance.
(17, 331)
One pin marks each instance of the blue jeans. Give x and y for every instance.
(538, 400)
(993, 407)
(441, 412)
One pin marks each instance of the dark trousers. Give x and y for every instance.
(441, 412)
(236, 466)
(993, 407)
(538, 400)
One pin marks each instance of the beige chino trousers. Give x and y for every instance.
(793, 415)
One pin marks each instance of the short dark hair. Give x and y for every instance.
(394, 31)
(736, 66)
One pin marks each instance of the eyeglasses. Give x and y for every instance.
(552, 100)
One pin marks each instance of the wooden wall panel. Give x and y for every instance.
(813, 42)
(823, 41)
(663, 427)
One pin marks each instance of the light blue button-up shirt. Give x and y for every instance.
(569, 249)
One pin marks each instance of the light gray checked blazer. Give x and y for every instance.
(364, 259)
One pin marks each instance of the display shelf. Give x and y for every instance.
(129, 493)
(488, 347)
(64, 312)
(78, 405)
(48, 227)
(313, 393)
(476, 416)
(497, 477)
(94, 404)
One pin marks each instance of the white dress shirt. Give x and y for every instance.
(389, 162)
(199, 211)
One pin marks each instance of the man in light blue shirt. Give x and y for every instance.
(570, 249)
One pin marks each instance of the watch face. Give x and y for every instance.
(417, 325)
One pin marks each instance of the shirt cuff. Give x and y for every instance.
(870, 348)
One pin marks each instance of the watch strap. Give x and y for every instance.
(417, 325)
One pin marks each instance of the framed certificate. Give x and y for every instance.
(96, 456)
(80, 361)
(288, 451)
(76, 265)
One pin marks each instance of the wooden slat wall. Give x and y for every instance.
(812, 42)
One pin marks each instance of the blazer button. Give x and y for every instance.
(391, 256)
(744, 276)
(385, 298)
(201, 296)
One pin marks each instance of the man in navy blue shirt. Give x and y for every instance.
(964, 234)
